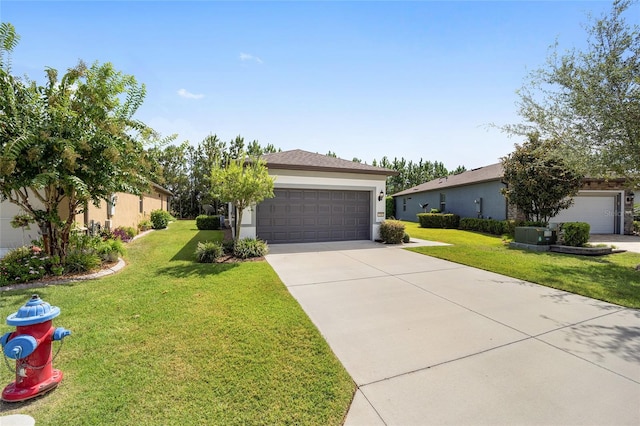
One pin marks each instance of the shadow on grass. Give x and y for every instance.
(188, 250)
(192, 270)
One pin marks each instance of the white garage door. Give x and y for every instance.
(599, 211)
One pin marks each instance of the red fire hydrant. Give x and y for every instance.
(30, 345)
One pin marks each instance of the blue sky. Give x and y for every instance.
(415, 79)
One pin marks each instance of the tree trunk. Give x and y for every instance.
(238, 222)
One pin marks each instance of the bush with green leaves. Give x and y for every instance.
(208, 251)
(406, 238)
(25, 264)
(439, 220)
(160, 219)
(575, 234)
(228, 246)
(392, 231)
(487, 226)
(250, 247)
(145, 225)
(125, 233)
(390, 207)
(81, 261)
(636, 226)
(109, 250)
(204, 222)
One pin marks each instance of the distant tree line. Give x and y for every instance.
(185, 170)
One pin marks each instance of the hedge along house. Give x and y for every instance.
(604, 204)
(121, 210)
(318, 198)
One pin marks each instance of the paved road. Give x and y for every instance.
(433, 342)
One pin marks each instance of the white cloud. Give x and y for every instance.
(249, 57)
(188, 95)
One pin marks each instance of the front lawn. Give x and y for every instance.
(168, 341)
(611, 278)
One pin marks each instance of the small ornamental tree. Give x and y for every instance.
(539, 182)
(68, 142)
(242, 183)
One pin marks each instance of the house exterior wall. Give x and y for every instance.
(127, 212)
(325, 180)
(10, 237)
(460, 200)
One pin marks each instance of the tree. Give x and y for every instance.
(539, 182)
(241, 182)
(69, 142)
(590, 99)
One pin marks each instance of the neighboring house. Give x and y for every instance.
(122, 210)
(604, 204)
(318, 198)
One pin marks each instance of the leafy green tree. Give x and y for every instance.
(539, 182)
(172, 172)
(241, 182)
(69, 142)
(589, 99)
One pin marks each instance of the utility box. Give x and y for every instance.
(535, 235)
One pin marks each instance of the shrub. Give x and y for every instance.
(390, 207)
(488, 226)
(439, 220)
(392, 231)
(204, 222)
(250, 247)
(125, 233)
(434, 211)
(208, 251)
(81, 261)
(636, 226)
(160, 219)
(228, 246)
(109, 250)
(406, 238)
(575, 234)
(25, 264)
(145, 225)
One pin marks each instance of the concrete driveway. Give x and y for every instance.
(432, 342)
(623, 242)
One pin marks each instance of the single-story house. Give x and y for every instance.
(318, 198)
(604, 204)
(121, 210)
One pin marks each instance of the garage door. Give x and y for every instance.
(597, 211)
(306, 215)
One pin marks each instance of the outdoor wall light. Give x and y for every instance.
(380, 195)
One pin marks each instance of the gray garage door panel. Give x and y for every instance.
(295, 215)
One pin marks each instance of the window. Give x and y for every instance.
(443, 202)
(404, 204)
(141, 204)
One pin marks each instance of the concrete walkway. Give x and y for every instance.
(432, 342)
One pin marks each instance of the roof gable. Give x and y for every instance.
(298, 159)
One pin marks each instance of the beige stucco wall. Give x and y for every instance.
(325, 180)
(127, 211)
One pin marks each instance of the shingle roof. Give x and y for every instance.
(481, 174)
(298, 159)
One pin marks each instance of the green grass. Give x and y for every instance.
(611, 278)
(168, 341)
